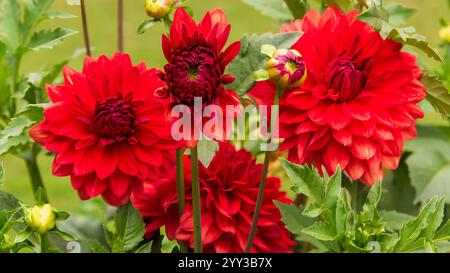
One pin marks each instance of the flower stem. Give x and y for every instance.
(180, 189)
(120, 25)
(157, 243)
(196, 207)
(87, 44)
(44, 243)
(262, 184)
(34, 172)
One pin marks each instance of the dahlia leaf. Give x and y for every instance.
(398, 14)
(250, 58)
(306, 180)
(66, 236)
(395, 220)
(145, 248)
(15, 128)
(410, 232)
(146, 24)
(10, 24)
(437, 94)
(96, 247)
(8, 201)
(273, 8)
(435, 220)
(372, 200)
(10, 144)
(333, 189)
(443, 234)
(321, 230)
(292, 217)
(58, 14)
(298, 8)
(129, 227)
(206, 151)
(49, 38)
(429, 168)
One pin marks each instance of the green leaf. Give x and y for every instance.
(66, 236)
(435, 220)
(8, 201)
(298, 8)
(2, 173)
(10, 24)
(23, 235)
(292, 217)
(306, 180)
(398, 14)
(146, 24)
(129, 227)
(40, 196)
(58, 14)
(96, 247)
(61, 215)
(372, 200)
(394, 219)
(274, 8)
(410, 232)
(206, 151)
(49, 38)
(443, 234)
(320, 230)
(145, 248)
(429, 166)
(333, 189)
(437, 95)
(250, 58)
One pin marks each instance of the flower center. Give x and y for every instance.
(291, 66)
(114, 119)
(193, 72)
(346, 78)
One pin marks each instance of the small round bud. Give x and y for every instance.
(157, 9)
(287, 68)
(444, 34)
(41, 218)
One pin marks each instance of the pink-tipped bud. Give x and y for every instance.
(287, 68)
(157, 9)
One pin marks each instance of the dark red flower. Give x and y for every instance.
(359, 102)
(229, 188)
(197, 63)
(106, 128)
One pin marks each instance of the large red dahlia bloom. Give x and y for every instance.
(229, 188)
(359, 102)
(197, 63)
(106, 128)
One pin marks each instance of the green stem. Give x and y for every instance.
(262, 184)
(87, 44)
(180, 189)
(44, 243)
(196, 207)
(34, 172)
(120, 25)
(157, 243)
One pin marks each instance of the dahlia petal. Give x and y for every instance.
(363, 148)
(336, 154)
(343, 136)
(119, 184)
(356, 110)
(301, 100)
(230, 53)
(355, 169)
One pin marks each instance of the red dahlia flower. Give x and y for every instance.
(229, 188)
(106, 128)
(359, 102)
(197, 63)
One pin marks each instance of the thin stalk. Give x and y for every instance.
(44, 243)
(262, 184)
(198, 246)
(120, 39)
(87, 43)
(180, 189)
(34, 172)
(157, 243)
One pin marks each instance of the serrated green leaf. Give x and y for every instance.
(398, 14)
(321, 231)
(435, 220)
(394, 219)
(49, 38)
(250, 58)
(443, 234)
(372, 200)
(292, 217)
(437, 95)
(10, 24)
(96, 247)
(129, 227)
(274, 8)
(333, 189)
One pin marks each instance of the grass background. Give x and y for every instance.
(147, 47)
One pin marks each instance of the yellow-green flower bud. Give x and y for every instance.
(157, 9)
(41, 218)
(444, 34)
(287, 68)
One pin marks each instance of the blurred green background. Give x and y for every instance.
(147, 47)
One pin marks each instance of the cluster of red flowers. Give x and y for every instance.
(359, 101)
(108, 126)
(229, 188)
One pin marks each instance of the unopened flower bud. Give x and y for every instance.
(157, 9)
(444, 34)
(41, 218)
(287, 68)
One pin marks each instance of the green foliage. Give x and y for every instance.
(273, 8)
(437, 95)
(126, 230)
(250, 58)
(379, 17)
(335, 226)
